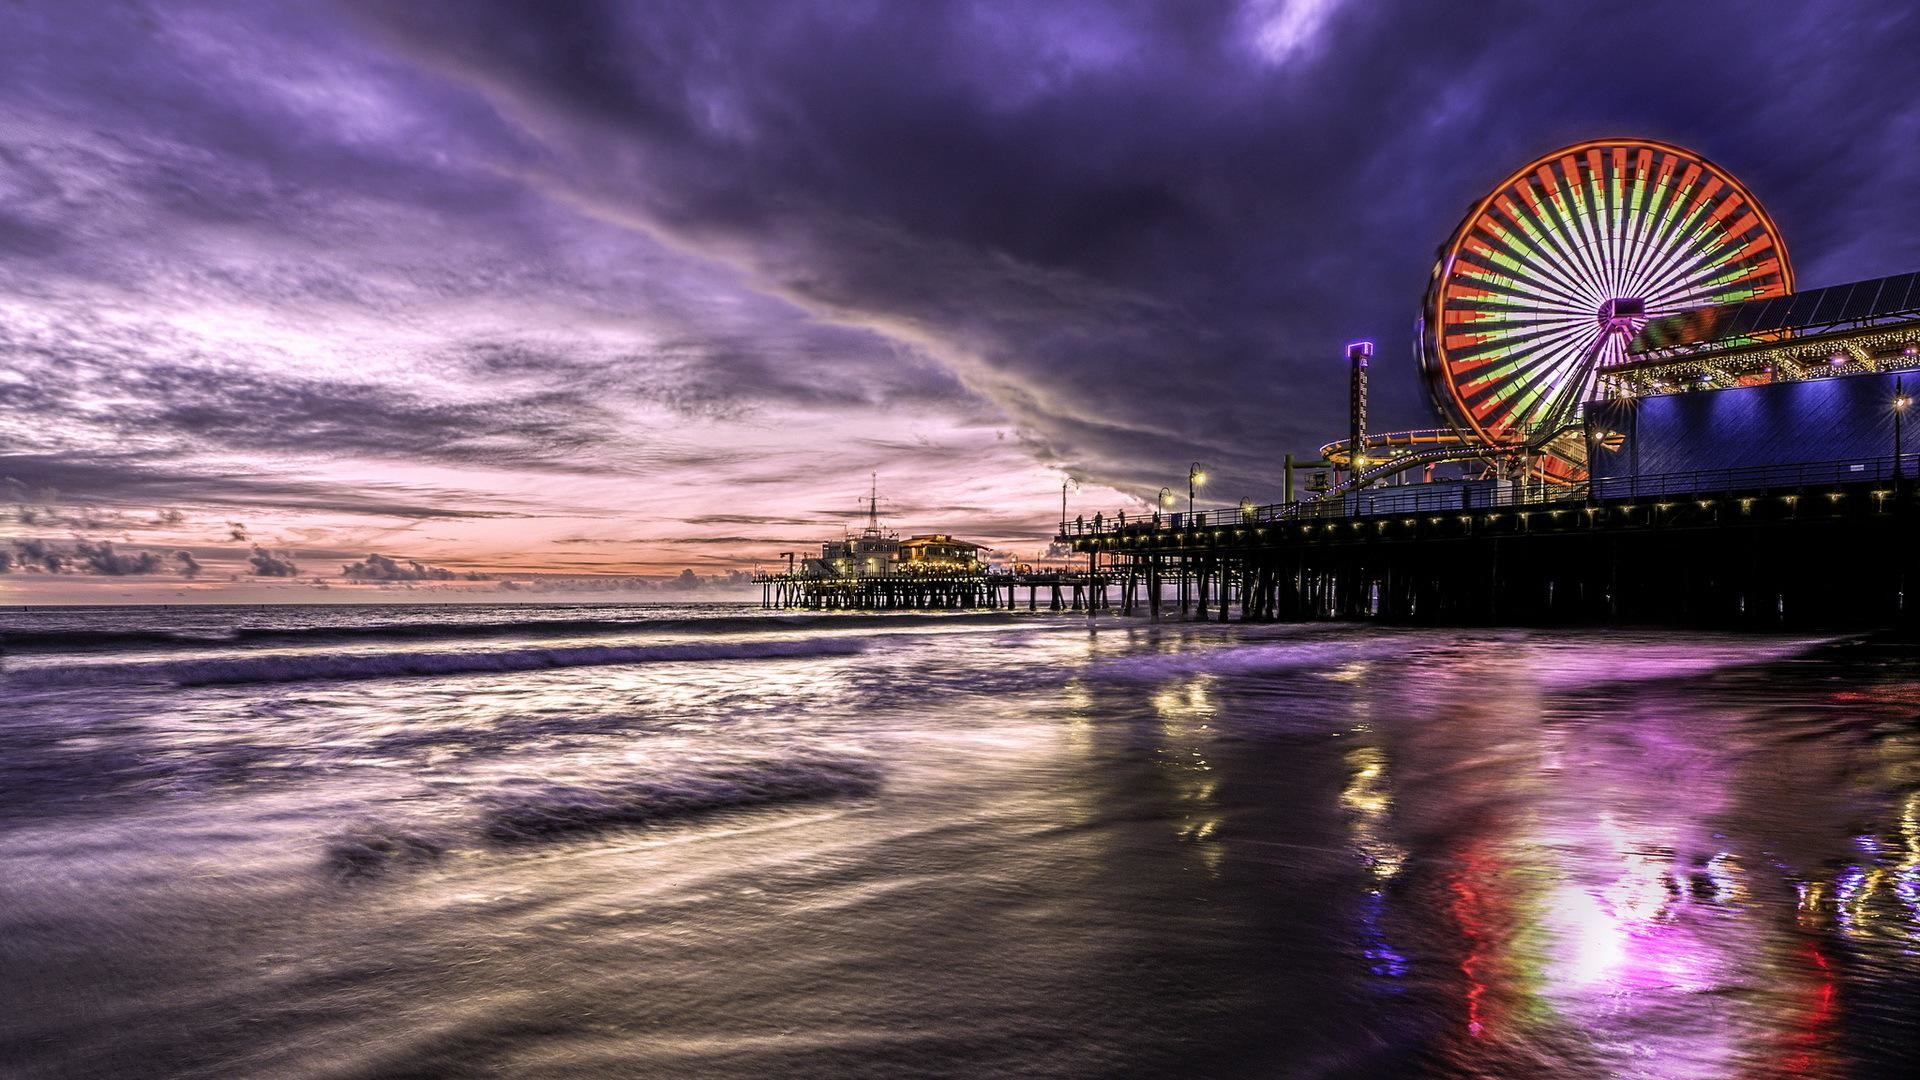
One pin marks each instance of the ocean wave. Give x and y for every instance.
(559, 810)
(95, 639)
(1580, 664)
(1228, 659)
(370, 851)
(306, 667)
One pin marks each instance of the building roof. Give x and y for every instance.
(1858, 303)
(937, 538)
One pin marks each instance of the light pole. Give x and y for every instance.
(1166, 499)
(1195, 478)
(1065, 483)
(1900, 403)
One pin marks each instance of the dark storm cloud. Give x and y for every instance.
(91, 557)
(39, 555)
(1145, 231)
(131, 478)
(194, 406)
(748, 519)
(101, 558)
(385, 568)
(264, 563)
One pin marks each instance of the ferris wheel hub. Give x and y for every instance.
(1622, 309)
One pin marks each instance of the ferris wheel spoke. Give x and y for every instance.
(1684, 228)
(1558, 255)
(1689, 259)
(1511, 336)
(1524, 265)
(1503, 282)
(1592, 220)
(1539, 363)
(1555, 361)
(1711, 257)
(1650, 206)
(1657, 223)
(1593, 274)
(1555, 204)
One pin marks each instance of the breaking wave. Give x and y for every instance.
(276, 668)
(557, 810)
(1579, 664)
(434, 631)
(1229, 659)
(368, 852)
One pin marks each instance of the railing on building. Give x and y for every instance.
(1474, 495)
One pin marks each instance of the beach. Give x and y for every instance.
(707, 840)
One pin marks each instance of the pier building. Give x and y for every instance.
(876, 570)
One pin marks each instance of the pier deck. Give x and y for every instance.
(1803, 545)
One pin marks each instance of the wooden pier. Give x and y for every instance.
(1062, 591)
(1824, 544)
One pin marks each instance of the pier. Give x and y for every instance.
(1803, 545)
(1060, 591)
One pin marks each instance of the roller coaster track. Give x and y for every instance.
(1442, 445)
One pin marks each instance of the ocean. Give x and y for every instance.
(713, 841)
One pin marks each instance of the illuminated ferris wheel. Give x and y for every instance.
(1551, 275)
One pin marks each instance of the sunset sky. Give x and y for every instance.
(311, 301)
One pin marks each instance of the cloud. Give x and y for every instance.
(189, 566)
(39, 556)
(1281, 29)
(6, 562)
(236, 531)
(135, 478)
(91, 557)
(264, 563)
(101, 558)
(383, 568)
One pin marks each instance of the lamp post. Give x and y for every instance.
(1900, 403)
(1195, 478)
(1166, 499)
(1065, 483)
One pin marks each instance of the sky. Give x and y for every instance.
(500, 300)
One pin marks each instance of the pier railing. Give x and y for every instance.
(1474, 495)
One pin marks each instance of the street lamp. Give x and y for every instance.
(1166, 498)
(1195, 478)
(1900, 403)
(1066, 482)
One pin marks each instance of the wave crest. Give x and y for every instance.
(304, 667)
(558, 810)
(370, 851)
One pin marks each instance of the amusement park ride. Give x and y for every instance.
(1541, 289)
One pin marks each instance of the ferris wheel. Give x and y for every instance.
(1550, 275)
